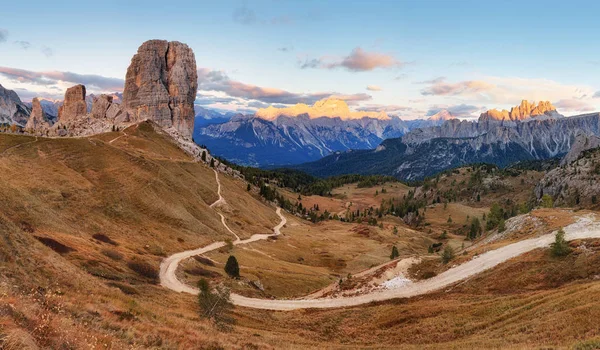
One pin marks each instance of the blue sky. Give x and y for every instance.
(416, 57)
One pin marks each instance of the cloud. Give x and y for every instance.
(358, 60)
(91, 81)
(48, 52)
(460, 111)
(439, 87)
(574, 105)
(23, 44)
(431, 81)
(3, 35)
(374, 88)
(596, 94)
(285, 49)
(401, 77)
(211, 80)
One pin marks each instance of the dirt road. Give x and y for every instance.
(585, 227)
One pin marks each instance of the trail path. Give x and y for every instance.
(118, 137)
(19, 145)
(586, 227)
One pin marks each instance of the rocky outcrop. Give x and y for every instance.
(12, 110)
(100, 106)
(329, 107)
(161, 85)
(582, 143)
(38, 120)
(524, 111)
(74, 104)
(575, 184)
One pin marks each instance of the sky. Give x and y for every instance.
(408, 58)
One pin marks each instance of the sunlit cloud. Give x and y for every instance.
(573, 105)
(358, 60)
(373, 88)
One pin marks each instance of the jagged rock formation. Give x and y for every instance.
(100, 106)
(582, 143)
(38, 120)
(161, 85)
(249, 140)
(74, 104)
(524, 111)
(575, 183)
(12, 110)
(442, 115)
(330, 107)
(424, 152)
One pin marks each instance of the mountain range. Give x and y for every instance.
(527, 132)
(301, 133)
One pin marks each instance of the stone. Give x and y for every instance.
(38, 120)
(100, 106)
(161, 85)
(523, 111)
(74, 104)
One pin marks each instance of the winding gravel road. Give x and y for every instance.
(585, 227)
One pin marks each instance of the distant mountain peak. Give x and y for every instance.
(328, 107)
(523, 111)
(442, 115)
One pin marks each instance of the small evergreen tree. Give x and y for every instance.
(232, 268)
(395, 253)
(212, 162)
(560, 247)
(248, 188)
(204, 156)
(448, 254)
(501, 225)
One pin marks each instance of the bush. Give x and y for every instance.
(232, 268)
(144, 269)
(560, 247)
(448, 254)
(216, 305)
(104, 238)
(113, 254)
(204, 261)
(547, 201)
(395, 253)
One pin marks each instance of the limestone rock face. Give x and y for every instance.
(100, 106)
(12, 110)
(161, 85)
(38, 120)
(74, 104)
(524, 111)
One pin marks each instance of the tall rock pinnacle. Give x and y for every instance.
(74, 104)
(161, 85)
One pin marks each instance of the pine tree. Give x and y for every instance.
(560, 247)
(204, 156)
(448, 254)
(212, 162)
(395, 253)
(232, 268)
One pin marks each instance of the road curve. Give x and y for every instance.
(585, 227)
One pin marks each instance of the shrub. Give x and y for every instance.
(448, 254)
(198, 271)
(113, 254)
(547, 201)
(144, 269)
(560, 247)
(395, 253)
(55, 245)
(215, 305)
(232, 268)
(104, 238)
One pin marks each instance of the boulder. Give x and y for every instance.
(74, 104)
(161, 85)
(100, 106)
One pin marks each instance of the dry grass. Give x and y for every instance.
(150, 199)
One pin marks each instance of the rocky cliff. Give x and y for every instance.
(574, 184)
(12, 110)
(38, 120)
(161, 85)
(74, 104)
(524, 111)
